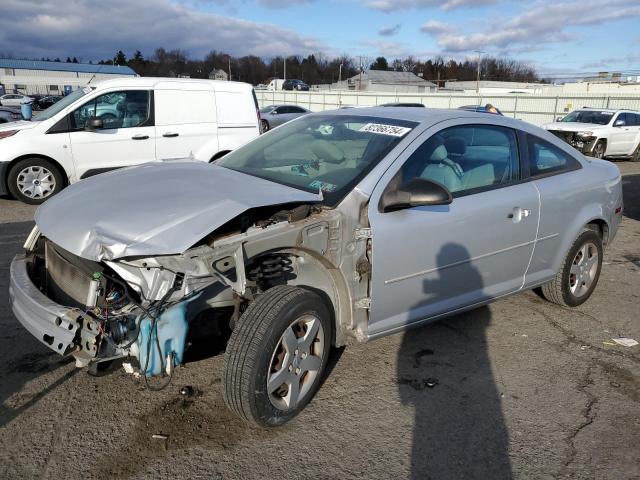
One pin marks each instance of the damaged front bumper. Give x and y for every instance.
(584, 144)
(58, 327)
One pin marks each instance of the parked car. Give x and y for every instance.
(124, 122)
(401, 104)
(339, 226)
(14, 99)
(601, 132)
(10, 114)
(295, 85)
(488, 108)
(275, 115)
(45, 102)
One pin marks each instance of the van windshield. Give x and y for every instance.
(62, 104)
(328, 153)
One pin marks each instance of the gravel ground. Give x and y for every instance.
(525, 390)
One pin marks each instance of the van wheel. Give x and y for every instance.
(33, 180)
(599, 149)
(276, 356)
(578, 277)
(265, 126)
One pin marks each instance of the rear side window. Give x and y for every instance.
(547, 159)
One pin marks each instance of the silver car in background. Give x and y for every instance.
(341, 226)
(275, 115)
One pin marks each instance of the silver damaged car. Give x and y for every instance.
(336, 227)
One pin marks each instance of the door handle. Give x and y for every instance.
(140, 137)
(170, 135)
(518, 214)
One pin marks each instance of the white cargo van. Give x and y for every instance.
(124, 122)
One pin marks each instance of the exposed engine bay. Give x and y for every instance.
(143, 308)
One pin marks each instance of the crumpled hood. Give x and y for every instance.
(572, 126)
(154, 209)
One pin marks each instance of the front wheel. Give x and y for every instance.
(578, 277)
(265, 126)
(276, 355)
(636, 155)
(599, 149)
(33, 180)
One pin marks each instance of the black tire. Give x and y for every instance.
(636, 155)
(14, 172)
(558, 290)
(253, 346)
(265, 126)
(599, 149)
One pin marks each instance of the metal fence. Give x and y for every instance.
(535, 109)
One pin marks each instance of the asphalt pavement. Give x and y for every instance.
(519, 389)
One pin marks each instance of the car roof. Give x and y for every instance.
(612, 110)
(151, 82)
(426, 116)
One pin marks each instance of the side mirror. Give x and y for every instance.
(94, 123)
(273, 112)
(558, 119)
(415, 193)
(619, 123)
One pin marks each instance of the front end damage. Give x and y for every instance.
(142, 308)
(583, 141)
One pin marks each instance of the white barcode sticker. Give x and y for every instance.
(382, 129)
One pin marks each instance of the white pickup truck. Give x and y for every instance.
(601, 133)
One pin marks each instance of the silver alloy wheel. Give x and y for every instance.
(599, 150)
(36, 182)
(296, 362)
(583, 269)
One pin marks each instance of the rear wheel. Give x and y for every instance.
(578, 277)
(599, 149)
(276, 356)
(33, 180)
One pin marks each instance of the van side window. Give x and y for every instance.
(545, 158)
(116, 109)
(466, 159)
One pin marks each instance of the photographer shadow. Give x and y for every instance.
(444, 372)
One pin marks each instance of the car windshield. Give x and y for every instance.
(589, 116)
(331, 153)
(62, 104)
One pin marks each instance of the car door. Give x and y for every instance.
(622, 136)
(127, 137)
(430, 260)
(185, 121)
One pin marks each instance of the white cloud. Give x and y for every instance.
(433, 27)
(96, 30)
(395, 5)
(389, 31)
(545, 22)
(282, 3)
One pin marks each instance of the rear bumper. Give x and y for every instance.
(56, 326)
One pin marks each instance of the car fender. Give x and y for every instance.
(588, 214)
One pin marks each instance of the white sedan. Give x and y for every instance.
(14, 99)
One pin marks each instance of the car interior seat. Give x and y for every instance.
(440, 168)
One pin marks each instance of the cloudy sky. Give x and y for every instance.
(555, 36)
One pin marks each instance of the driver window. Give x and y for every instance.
(116, 109)
(466, 159)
